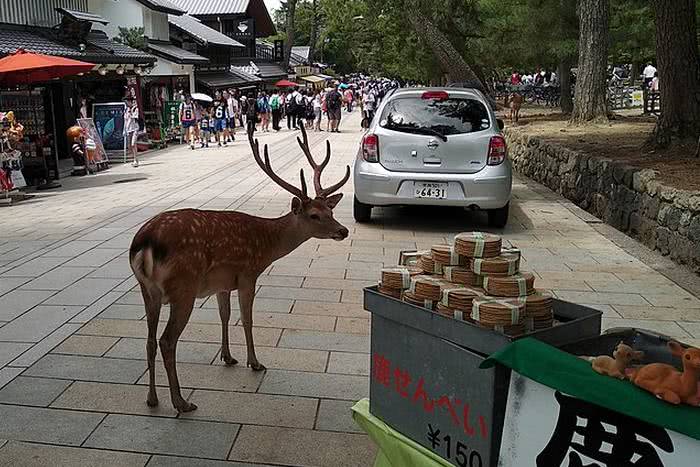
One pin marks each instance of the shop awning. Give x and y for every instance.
(176, 54)
(313, 79)
(81, 16)
(224, 79)
(201, 32)
(98, 48)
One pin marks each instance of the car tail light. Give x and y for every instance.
(497, 150)
(370, 148)
(437, 95)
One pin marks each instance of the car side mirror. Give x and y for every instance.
(501, 124)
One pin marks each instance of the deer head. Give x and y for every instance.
(313, 216)
(689, 356)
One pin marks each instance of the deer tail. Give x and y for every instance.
(142, 264)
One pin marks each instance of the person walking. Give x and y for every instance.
(334, 101)
(291, 110)
(251, 114)
(318, 111)
(221, 118)
(131, 127)
(275, 110)
(188, 119)
(232, 104)
(309, 113)
(348, 99)
(264, 111)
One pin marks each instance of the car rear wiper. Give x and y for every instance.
(417, 129)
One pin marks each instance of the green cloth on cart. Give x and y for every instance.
(575, 377)
(395, 450)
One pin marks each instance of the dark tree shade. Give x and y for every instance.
(679, 72)
(591, 80)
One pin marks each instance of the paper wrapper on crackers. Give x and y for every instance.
(459, 297)
(448, 256)
(411, 298)
(478, 244)
(409, 258)
(399, 277)
(462, 275)
(500, 314)
(517, 285)
(452, 312)
(428, 264)
(539, 312)
(505, 264)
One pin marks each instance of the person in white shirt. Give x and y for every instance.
(131, 128)
(648, 74)
(232, 104)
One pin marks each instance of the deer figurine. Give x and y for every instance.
(615, 366)
(178, 256)
(669, 384)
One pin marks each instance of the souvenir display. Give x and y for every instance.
(615, 366)
(478, 244)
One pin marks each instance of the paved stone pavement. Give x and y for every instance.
(72, 331)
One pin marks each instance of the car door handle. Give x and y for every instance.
(432, 160)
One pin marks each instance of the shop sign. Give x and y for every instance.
(109, 122)
(546, 428)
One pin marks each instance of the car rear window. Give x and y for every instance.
(452, 116)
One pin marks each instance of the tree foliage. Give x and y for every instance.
(133, 37)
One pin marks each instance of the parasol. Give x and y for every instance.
(198, 96)
(25, 68)
(283, 83)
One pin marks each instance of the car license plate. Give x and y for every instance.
(431, 190)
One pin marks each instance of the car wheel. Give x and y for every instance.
(361, 212)
(498, 218)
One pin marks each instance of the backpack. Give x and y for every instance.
(275, 103)
(292, 105)
(334, 100)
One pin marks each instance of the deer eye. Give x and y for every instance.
(315, 217)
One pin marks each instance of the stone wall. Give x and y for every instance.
(627, 198)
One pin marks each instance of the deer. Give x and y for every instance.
(615, 366)
(181, 255)
(669, 384)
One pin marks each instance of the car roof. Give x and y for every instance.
(468, 92)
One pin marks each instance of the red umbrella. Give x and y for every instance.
(283, 83)
(24, 68)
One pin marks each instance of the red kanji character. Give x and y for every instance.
(484, 427)
(381, 369)
(401, 379)
(468, 429)
(444, 401)
(421, 394)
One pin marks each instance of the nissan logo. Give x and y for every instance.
(432, 144)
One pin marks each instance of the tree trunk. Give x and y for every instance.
(314, 31)
(289, 41)
(566, 102)
(679, 72)
(449, 59)
(591, 80)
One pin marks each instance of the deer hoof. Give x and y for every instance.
(229, 360)
(185, 407)
(257, 366)
(152, 401)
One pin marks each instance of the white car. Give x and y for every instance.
(434, 146)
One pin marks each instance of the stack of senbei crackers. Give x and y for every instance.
(473, 279)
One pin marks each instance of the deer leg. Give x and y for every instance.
(180, 311)
(224, 301)
(153, 305)
(246, 295)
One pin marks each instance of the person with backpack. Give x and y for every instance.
(292, 109)
(221, 117)
(251, 114)
(276, 110)
(309, 113)
(334, 102)
(264, 111)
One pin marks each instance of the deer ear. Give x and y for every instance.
(332, 201)
(676, 348)
(297, 205)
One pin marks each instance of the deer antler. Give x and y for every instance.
(267, 168)
(318, 168)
